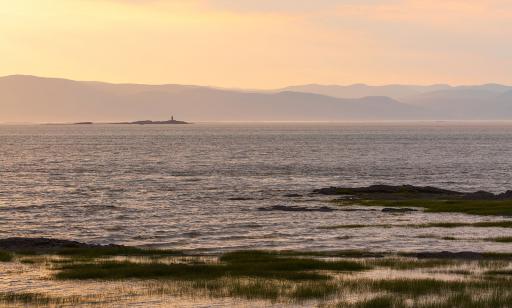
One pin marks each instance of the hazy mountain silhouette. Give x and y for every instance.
(35, 99)
(467, 102)
(362, 90)
(28, 98)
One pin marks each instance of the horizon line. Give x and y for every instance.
(259, 89)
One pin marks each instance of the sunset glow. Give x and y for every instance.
(259, 44)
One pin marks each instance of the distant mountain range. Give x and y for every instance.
(35, 99)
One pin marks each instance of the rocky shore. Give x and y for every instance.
(411, 192)
(45, 245)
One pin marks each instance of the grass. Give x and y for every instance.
(386, 301)
(468, 300)
(333, 253)
(251, 264)
(314, 290)
(483, 224)
(5, 256)
(497, 255)
(36, 299)
(296, 277)
(256, 289)
(409, 263)
(473, 207)
(505, 272)
(116, 251)
(502, 239)
(417, 287)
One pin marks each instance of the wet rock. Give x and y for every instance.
(506, 195)
(357, 210)
(293, 208)
(479, 195)
(408, 192)
(398, 210)
(466, 255)
(328, 191)
(43, 244)
(293, 195)
(385, 189)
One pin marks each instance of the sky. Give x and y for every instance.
(259, 43)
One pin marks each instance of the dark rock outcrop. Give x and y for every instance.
(386, 189)
(42, 244)
(293, 208)
(404, 192)
(465, 255)
(293, 195)
(480, 195)
(398, 210)
(506, 195)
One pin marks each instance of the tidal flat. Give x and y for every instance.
(45, 272)
(92, 277)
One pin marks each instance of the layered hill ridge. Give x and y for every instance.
(36, 99)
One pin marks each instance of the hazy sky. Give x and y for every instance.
(259, 43)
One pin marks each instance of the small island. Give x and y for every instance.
(149, 122)
(143, 122)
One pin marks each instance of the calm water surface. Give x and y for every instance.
(173, 186)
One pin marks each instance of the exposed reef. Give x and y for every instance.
(432, 199)
(403, 192)
(149, 122)
(41, 244)
(293, 208)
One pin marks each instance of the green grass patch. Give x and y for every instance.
(116, 251)
(5, 256)
(235, 264)
(483, 224)
(410, 263)
(385, 301)
(469, 300)
(36, 299)
(502, 239)
(473, 207)
(256, 289)
(504, 272)
(113, 270)
(497, 255)
(417, 287)
(313, 290)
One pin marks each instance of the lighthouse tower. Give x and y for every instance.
(172, 118)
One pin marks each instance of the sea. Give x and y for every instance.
(212, 187)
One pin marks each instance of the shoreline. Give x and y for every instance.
(49, 246)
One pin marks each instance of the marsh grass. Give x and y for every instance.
(116, 251)
(504, 272)
(417, 287)
(311, 278)
(497, 299)
(235, 264)
(313, 290)
(446, 225)
(473, 207)
(384, 301)
(401, 263)
(502, 239)
(37, 299)
(5, 256)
